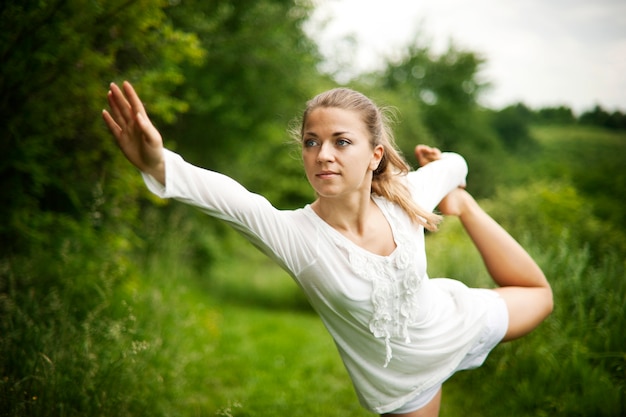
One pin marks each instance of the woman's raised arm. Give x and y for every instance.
(135, 134)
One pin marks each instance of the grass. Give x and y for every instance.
(239, 340)
(273, 355)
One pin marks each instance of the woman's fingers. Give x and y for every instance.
(115, 113)
(133, 99)
(127, 117)
(136, 136)
(111, 124)
(120, 106)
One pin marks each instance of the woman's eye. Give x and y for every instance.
(308, 143)
(343, 142)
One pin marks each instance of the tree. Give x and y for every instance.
(69, 204)
(445, 90)
(58, 164)
(600, 117)
(260, 69)
(511, 124)
(556, 115)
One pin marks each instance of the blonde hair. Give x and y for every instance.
(386, 178)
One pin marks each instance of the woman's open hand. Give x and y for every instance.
(136, 136)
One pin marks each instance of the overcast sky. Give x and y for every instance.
(541, 52)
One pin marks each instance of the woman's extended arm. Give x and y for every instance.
(135, 134)
(273, 231)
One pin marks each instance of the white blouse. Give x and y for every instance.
(397, 331)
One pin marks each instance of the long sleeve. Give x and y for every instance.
(273, 231)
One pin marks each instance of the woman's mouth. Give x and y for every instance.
(326, 174)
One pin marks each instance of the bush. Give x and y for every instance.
(545, 211)
(574, 364)
(66, 344)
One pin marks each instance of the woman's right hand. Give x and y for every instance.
(135, 134)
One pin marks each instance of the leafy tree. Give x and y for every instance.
(445, 89)
(70, 200)
(512, 125)
(57, 162)
(445, 86)
(260, 69)
(600, 117)
(555, 115)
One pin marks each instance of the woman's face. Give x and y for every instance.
(337, 153)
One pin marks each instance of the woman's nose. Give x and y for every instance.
(325, 153)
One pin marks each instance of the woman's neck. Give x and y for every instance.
(361, 222)
(345, 215)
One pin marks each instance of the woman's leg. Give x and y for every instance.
(429, 410)
(523, 285)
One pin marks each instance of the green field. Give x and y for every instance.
(163, 334)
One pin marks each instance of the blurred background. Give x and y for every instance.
(113, 302)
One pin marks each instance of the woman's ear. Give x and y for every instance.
(379, 151)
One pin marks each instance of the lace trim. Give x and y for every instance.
(395, 284)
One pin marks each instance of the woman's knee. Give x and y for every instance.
(527, 307)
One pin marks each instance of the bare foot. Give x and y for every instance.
(426, 154)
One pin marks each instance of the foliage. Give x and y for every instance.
(555, 115)
(65, 347)
(71, 200)
(563, 115)
(443, 92)
(602, 118)
(259, 71)
(512, 125)
(591, 159)
(547, 210)
(55, 63)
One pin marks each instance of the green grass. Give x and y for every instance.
(235, 339)
(255, 354)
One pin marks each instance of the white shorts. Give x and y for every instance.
(495, 329)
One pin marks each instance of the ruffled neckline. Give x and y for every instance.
(395, 277)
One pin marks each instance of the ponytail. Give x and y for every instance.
(387, 183)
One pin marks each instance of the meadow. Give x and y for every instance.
(175, 331)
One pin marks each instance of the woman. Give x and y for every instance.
(357, 251)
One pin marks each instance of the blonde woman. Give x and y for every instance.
(357, 251)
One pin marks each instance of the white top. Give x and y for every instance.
(397, 331)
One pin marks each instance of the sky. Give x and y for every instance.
(540, 52)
